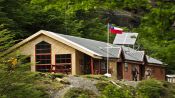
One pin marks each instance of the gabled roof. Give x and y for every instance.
(134, 56)
(153, 61)
(93, 48)
(96, 49)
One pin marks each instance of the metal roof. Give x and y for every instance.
(126, 38)
(153, 61)
(96, 46)
(114, 50)
(134, 56)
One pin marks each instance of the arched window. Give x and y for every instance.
(43, 56)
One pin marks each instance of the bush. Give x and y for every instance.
(151, 89)
(101, 86)
(57, 75)
(79, 93)
(17, 81)
(23, 90)
(112, 91)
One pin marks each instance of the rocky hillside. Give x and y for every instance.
(98, 86)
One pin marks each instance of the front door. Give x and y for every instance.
(119, 71)
(142, 72)
(87, 67)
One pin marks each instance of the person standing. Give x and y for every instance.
(134, 73)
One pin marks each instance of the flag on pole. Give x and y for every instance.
(115, 30)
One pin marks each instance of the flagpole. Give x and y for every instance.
(107, 47)
(107, 54)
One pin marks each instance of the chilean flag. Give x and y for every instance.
(115, 30)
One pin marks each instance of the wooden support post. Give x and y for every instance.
(99, 67)
(92, 66)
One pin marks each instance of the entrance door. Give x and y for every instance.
(142, 72)
(87, 67)
(119, 71)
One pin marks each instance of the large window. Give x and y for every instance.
(63, 63)
(63, 58)
(43, 59)
(43, 56)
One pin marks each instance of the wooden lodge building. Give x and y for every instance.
(58, 53)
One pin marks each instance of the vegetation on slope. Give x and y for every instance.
(145, 89)
(17, 81)
(152, 19)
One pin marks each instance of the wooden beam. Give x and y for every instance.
(99, 67)
(92, 66)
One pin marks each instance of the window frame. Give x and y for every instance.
(43, 54)
(63, 67)
(63, 59)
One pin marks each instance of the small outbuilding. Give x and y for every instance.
(170, 78)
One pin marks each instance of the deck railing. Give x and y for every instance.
(66, 69)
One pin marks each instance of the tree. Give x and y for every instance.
(157, 35)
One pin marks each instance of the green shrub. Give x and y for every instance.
(112, 91)
(151, 89)
(79, 93)
(17, 81)
(57, 75)
(23, 90)
(101, 85)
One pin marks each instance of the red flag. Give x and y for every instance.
(115, 30)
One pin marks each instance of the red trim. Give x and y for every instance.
(44, 59)
(62, 63)
(92, 66)
(40, 54)
(44, 54)
(63, 70)
(43, 49)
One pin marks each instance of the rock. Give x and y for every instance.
(65, 81)
(58, 79)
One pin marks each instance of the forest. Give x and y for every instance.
(154, 20)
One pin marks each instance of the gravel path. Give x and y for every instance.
(77, 82)
(84, 83)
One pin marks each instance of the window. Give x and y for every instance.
(63, 58)
(126, 66)
(43, 59)
(63, 63)
(43, 56)
(43, 48)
